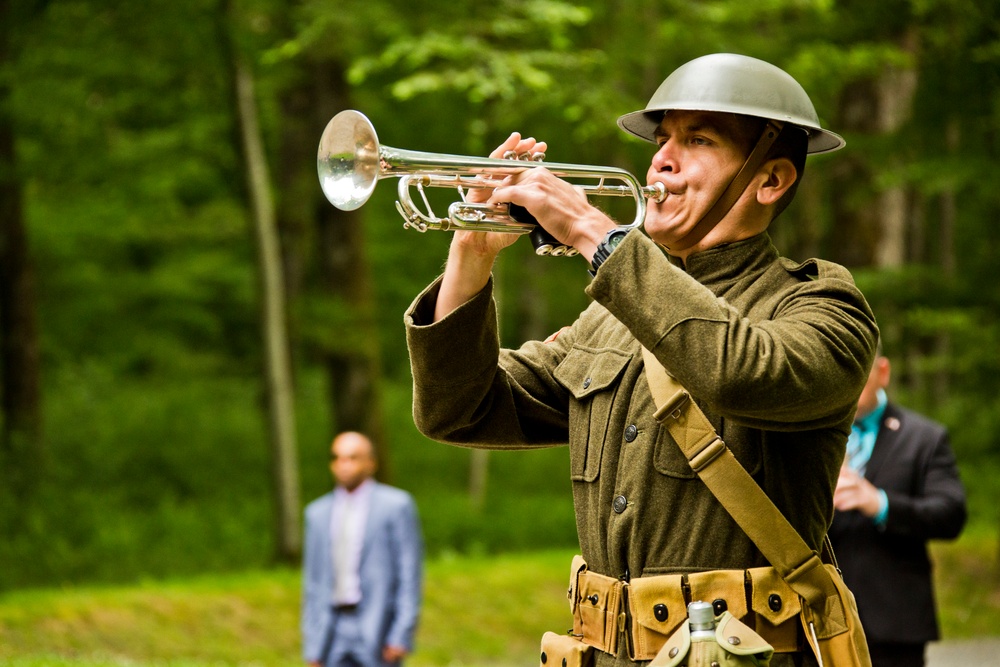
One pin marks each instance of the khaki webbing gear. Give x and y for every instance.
(829, 614)
(564, 651)
(645, 611)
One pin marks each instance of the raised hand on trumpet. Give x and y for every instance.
(560, 208)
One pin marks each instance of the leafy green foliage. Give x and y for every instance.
(157, 452)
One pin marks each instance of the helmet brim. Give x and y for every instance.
(643, 124)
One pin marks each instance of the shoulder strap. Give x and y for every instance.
(801, 567)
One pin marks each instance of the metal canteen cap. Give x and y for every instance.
(732, 83)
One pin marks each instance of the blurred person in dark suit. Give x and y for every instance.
(898, 488)
(362, 565)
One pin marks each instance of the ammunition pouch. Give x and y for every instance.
(644, 612)
(564, 651)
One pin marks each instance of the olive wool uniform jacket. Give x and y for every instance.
(774, 352)
(888, 567)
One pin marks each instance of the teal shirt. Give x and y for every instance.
(861, 444)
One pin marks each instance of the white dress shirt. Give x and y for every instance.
(347, 534)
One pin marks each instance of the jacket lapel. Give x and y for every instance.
(370, 520)
(885, 442)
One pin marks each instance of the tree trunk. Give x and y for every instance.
(352, 358)
(277, 364)
(895, 90)
(873, 230)
(949, 267)
(21, 452)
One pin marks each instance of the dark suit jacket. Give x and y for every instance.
(888, 568)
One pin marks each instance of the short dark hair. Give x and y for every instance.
(791, 144)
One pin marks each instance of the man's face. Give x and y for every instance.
(351, 460)
(699, 153)
(878, 378)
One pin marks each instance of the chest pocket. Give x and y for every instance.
(743, 442)
(592, 377)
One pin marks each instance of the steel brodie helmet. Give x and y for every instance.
(733, 83)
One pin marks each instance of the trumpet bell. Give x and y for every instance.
(348, 160)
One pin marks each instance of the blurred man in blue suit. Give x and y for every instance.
(362, 565)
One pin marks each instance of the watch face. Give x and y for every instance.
(614, 239)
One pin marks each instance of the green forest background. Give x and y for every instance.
(142, 437)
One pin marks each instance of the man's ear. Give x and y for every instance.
(775, 177)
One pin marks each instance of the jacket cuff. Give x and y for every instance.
(471, 328)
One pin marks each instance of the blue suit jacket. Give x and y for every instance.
(391, 572)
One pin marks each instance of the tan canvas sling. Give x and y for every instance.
(829, 613)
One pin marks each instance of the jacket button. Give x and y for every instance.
(631, 432)
(661, 612)
(619, 504)
(586, 383)
(774, 602)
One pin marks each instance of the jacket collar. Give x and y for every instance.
(729, 262)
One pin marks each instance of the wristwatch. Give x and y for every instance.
(606, 247)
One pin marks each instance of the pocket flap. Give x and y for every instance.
(728, 585)
(675, 650)
(657, 602)
(772, 598)
(739, 639)
(584, 372)
(564, 651)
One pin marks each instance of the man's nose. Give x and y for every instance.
(665, 158)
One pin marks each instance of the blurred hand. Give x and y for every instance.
(393, 653)
(854, 492)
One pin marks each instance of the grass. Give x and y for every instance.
(478, 610)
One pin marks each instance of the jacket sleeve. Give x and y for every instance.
(935, 507)
(315, 616)
(467, 391)
(409, 555)
(800, 367)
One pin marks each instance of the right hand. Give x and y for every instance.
(489, 244)
(471, 256)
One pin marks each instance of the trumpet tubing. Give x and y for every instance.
(350, 162)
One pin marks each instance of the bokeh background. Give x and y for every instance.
(186, 321)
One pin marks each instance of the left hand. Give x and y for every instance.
(560, 207)
(393, 653)
(854, 492)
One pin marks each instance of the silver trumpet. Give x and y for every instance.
(350, 162)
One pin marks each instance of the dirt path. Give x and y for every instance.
(964, 653)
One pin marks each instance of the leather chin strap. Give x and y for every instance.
(735, 188)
